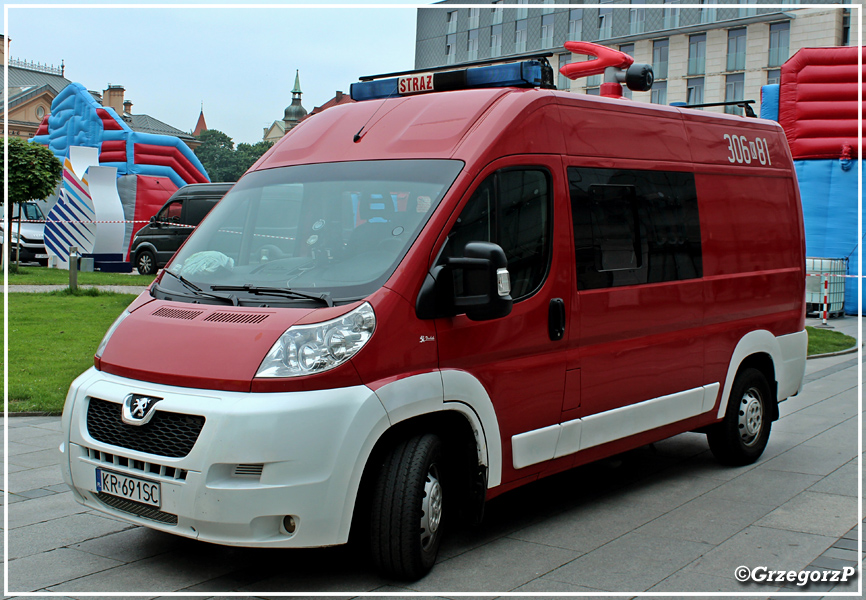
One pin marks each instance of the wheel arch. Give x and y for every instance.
(451, 404)
(759, 350)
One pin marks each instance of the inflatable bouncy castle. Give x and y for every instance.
(149, 167)
(816, 104)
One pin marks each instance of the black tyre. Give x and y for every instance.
(145, 262)
(406, 508)
(743, 434)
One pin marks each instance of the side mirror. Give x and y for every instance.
(478, 284)
(153, 221)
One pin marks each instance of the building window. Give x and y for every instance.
(451, 21)
(520, 36)
(472, 45)
(734, 85)
(605, 23)
(660, 58)
(697, 54)
(779, 35)
(564, 83)
(575, 24)
(496, 41)
(450, 50)
(547, 31)
(497, 12)
(774, 76)
(522, 10)
(636, 18)
(659, 93)
(708, 14)
(736, 49)
(671, 16)
(474, 14)
(593, 81)
(627, 49)
(695, 91)
(40, 112)
(593, 91)
(548, 7)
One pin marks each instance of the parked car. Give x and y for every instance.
(390, 320)
(155, 243)
(31, 234)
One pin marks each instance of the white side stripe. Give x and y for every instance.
(573, 436)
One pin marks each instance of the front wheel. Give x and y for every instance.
(145, 262)
(407, 508)
(742, 436)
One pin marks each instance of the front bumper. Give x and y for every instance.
(257, 459)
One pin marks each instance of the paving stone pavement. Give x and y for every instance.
(664, 518)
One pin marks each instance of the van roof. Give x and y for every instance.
(437, 125)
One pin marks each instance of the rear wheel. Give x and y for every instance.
(741, 438)
(406, 508)
(145, 262)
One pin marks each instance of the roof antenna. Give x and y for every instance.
(357, 137)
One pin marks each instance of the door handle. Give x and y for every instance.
(556, 319)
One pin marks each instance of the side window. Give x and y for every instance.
(171, 213)
(634, 227)
(511, 208)
(197, 209)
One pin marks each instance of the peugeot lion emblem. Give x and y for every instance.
(138, 409)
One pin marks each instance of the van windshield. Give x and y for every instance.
(334, 230)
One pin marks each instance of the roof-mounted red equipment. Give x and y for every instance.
(617, 67)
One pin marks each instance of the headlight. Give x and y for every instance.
(13, 237)
(110, 331)
(309, 349)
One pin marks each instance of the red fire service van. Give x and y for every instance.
(418, 301)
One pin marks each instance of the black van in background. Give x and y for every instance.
(156, 242)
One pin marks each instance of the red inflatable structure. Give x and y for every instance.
(818, 102)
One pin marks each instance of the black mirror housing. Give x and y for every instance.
(477, 284)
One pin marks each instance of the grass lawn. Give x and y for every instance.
(52, 338)
(824, 341)
(46, 276)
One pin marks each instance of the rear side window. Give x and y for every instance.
(197, 209)
(511, 208)
(634, 227)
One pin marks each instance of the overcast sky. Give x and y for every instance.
(239, 62)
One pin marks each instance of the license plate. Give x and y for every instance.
(131, 488)
(41, 256)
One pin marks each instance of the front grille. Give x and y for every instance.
(168, 434)
(136, 508)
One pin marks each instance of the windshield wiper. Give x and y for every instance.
(272, 291)
(231, 299)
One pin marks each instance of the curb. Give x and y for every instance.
(850, 350)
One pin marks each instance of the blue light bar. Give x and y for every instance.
(528, 73)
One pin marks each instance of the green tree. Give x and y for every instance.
(34, 172)
(248, 154)
(217, 155)
(220, 158)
